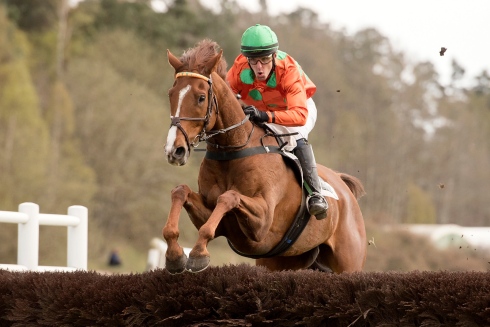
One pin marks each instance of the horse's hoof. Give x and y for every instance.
(197, 264)
(176, 266)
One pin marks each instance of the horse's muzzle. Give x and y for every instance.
(177, 156)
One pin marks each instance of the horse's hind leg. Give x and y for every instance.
(346, 253)
(319, 266)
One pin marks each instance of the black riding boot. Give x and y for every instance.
(317, 205)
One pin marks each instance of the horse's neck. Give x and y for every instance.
(230, 114)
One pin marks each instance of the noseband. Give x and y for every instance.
(203, 135)
(175, 121)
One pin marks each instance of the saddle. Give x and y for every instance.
(284, 149)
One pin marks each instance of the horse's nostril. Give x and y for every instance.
(179, 152)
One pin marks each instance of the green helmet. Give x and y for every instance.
(258, 41)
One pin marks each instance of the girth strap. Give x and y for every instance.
(232, 155)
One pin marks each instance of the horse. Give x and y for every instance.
(251, 198)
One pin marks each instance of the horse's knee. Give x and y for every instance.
(180, 192)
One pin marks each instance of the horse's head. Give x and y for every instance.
(193, 106)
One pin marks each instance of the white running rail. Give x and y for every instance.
(29, 219)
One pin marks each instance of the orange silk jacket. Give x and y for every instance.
(284, 93)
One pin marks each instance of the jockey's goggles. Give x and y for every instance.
(263, 60)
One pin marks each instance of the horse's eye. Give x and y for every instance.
(202, 97)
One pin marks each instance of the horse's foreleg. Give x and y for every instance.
(181, 196)
(252, 226)
(199, 256)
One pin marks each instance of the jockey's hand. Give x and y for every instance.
(255, 114)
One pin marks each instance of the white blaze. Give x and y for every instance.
(172, 132)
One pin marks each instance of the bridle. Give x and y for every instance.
(203, 135)
(175, 121)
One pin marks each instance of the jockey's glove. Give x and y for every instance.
(255, 114)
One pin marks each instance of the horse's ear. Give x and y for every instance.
(174, 61)
(213, 64)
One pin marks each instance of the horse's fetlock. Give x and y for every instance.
(174, 253)
(199, 251)
(207, 234)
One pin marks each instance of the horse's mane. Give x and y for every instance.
(195, 59)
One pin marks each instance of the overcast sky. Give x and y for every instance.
(419, 28)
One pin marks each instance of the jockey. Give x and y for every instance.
(277, 91)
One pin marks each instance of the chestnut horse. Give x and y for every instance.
(251, 200)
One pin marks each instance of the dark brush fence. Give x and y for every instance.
(244, 295)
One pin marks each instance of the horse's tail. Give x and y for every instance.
(354, 185)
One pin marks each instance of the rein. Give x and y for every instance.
(203, 135)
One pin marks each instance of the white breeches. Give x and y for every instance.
(304, 130)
